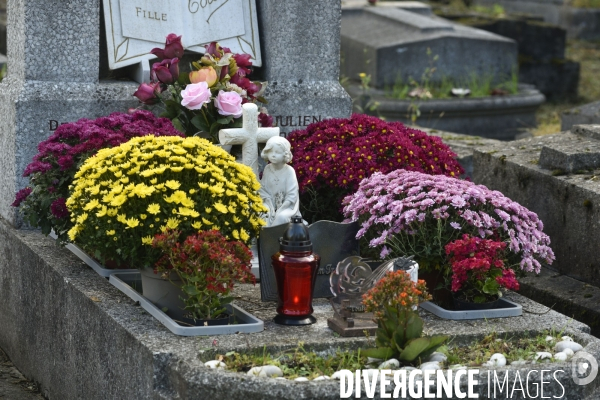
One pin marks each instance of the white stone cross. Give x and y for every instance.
(248, 136)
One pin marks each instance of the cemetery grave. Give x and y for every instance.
(397, 52)
(181, 205)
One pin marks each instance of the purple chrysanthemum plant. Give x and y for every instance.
(411, 213)
(51, 171)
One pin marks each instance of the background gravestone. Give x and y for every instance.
(53, 77)
(391, 44)
(300, 44)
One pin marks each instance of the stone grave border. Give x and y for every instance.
(70, 330)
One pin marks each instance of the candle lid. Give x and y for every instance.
(295, 238)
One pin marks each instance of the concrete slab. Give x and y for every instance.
(568, 204)
(70, 330)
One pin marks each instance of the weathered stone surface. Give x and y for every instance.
(53, 77)
(300, 44)
(75, 334)
(568, 205)
(494, 117)
(349, 6)
(587, 114)
(390, 44)
(570, 153)
(581, 23)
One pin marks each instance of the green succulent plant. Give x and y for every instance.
(399, 335)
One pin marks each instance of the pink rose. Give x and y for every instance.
(229, 103)
(195, 95)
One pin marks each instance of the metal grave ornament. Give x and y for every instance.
(354, 276)
(333, 241)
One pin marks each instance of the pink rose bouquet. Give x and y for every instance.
(210, 96)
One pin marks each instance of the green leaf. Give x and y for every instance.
(414, 326)
(214, 129)
(491, 286)
(262, 100)
(199, 122)
(479, 299)
(413, 349)
(177, 124)
(190, 290)
(434, 343)
(399, 339)
(383, 353)
(226, 120)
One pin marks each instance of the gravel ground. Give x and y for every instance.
(13, 385)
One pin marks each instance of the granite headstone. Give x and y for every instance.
(53, 77)
(300, 41)
(391, 43)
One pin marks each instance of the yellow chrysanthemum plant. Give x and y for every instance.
(123, 196)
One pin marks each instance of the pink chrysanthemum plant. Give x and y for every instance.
(210, 96)
(478, 269)
(53, 169)
(412, 213)
(331, 157)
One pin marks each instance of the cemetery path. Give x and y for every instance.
(13, 385)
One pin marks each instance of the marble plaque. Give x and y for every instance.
(134, 27)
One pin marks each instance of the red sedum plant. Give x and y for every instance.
(208, 266)
(331, 157)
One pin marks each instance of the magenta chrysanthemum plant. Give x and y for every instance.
(52, 170)
(411, 213)
(331, 157)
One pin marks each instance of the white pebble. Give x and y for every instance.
(542, 355)
(457, 366)
(569, 352)
(497, 360)
(215, 364)
(518, 362)
(437, 356)
(560, 356)
(337, 374)
(560, 346)
(430, 365)
(371, 360)
(549, 339)
(271, 371)
(567, 338)
(408, 368)
(301, 379)
(322, 378)
(281, 377)
(392, 363)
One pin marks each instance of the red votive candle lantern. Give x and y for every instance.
(295, 267)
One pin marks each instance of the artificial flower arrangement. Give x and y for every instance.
(125, 195)
(399, 334)
(208, 98)
(478, 269)
(412, 213)
(207, 264)
(52, 170)
(331, 157)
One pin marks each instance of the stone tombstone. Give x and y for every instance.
(333, 241)
(134, 27)
(300, 42)
(391, 44)
(53, 77)
(587, 114)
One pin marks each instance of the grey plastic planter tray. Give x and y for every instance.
(104, 272)
(247, 322)
(507, 309)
